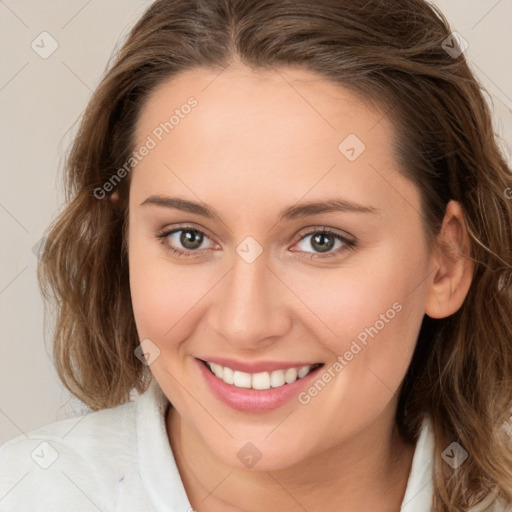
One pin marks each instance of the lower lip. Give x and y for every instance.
(254, 400)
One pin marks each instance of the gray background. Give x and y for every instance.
(41, 99)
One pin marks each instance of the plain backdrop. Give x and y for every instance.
(40, 100)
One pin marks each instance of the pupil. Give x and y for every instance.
(191, 239)
(321, 240)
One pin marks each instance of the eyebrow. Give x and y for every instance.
(296, 211)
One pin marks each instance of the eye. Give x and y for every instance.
(323, 241)
(183, 241)
(186, 240)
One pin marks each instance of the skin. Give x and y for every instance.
(258, 142)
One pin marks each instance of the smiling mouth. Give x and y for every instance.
(261, 380)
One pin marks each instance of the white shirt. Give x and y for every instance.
(120, 460)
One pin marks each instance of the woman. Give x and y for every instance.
(288, 228)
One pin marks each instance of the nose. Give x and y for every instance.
(250, 306)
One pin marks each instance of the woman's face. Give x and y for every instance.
(247, 175)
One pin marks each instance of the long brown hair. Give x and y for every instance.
(393, 54)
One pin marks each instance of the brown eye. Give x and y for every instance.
(324, 242)
(185, 241)
(191, 239)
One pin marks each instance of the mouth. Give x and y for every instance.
(260, 380)
(256, 387)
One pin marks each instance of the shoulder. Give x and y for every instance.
(91, 436)
(77, 455)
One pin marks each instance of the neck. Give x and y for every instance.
(367, 472)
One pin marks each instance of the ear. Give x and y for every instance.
(114, 197)
(454, 267)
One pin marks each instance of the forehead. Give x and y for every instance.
(261, 101)
(262, 135)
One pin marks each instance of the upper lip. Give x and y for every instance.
(257, 366)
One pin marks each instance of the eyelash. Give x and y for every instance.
(348, 244)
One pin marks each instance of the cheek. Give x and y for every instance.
(371, 311)
(375, 320)
(166, 297)
(374, 291)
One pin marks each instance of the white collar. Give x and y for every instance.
(419, 491)
(157, 466)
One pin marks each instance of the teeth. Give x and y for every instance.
(303, 371)
(228, 375)
(277, 378)
(290, 375)
(218, 370)
(242, 379)
(260, 381)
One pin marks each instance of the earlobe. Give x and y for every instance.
(454, 267)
